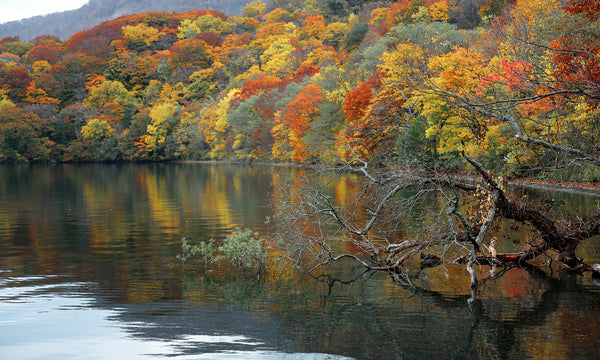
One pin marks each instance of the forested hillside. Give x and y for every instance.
(312, 82)
(66, 23)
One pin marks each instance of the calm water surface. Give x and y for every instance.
(88, 270)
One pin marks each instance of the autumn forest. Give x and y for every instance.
(305, 82)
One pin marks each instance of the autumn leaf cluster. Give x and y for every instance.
(295, 82)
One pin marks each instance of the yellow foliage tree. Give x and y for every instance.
(38, 96)
(439, 11)
(206, 23)
(163, 122)
(403, 67)
(215, 128)
(254, 8)
(275, 59)
(462, 73)
(96, 130)
(201, 84)
(314, 27)
(140, 37)
(41, 67)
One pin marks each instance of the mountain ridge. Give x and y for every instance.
(66, 23)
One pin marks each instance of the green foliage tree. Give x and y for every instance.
(20, 133)
(252, 129)
(18, 48)
(355, 36)
(67, 124)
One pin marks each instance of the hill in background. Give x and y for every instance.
(64, 24)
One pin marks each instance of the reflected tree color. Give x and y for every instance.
(103, 238)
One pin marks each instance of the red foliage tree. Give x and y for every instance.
(190, 52)
(42, 52)
(358, 100)
(299, 115)
(211, 38)
(16, 80)
(578, 67)
(96, 41)
(257, 85)
(591, 8)
(370, 115)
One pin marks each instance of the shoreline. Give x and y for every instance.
(572, 188)
(590, 189)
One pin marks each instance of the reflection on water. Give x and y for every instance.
(88, 270)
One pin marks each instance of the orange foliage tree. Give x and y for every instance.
(294, 123)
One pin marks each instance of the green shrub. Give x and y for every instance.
(187, 251)
(592, 173)
(243, 248)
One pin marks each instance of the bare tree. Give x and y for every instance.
(450, 222)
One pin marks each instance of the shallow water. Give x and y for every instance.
(88, 270)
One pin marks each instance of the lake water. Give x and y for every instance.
(88, 270)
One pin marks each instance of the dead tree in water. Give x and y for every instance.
(451, 222)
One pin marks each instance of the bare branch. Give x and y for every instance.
(560, 148)
(487, 222)
(487, 109)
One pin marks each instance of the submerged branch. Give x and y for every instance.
(367, 230)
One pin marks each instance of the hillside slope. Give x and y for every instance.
(64, 24)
